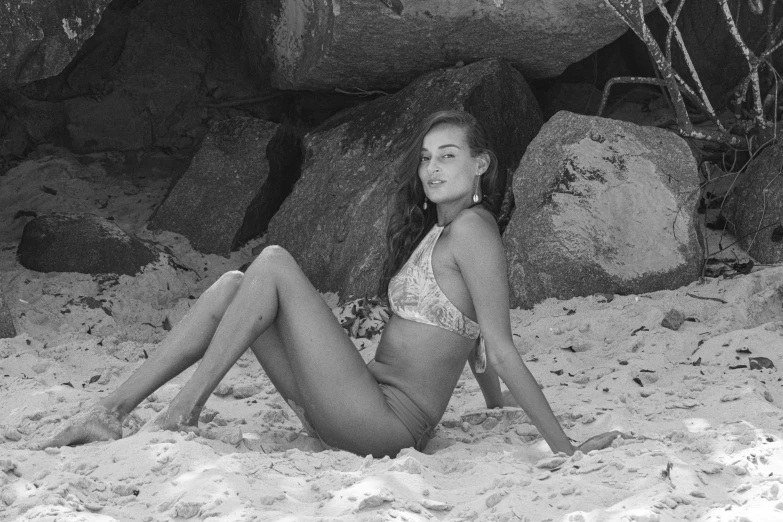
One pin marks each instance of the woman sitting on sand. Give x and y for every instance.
(445, 278)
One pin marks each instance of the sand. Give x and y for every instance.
(707, 428)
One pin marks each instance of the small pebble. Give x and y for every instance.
(582, 379)
(648, 378)
(551, 462)
(772, 493)
(490, 423)
(494, 499)
(739, 470)
(465, 427)
(223, 389)
(123, 490)
(375, 500)
(698, 494)
(12, 434)
(673, 319)
(41, 367)
(243, 391)
(434, 505)
(187, 509)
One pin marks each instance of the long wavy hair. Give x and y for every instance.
(408, 220)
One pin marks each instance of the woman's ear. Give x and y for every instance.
(483, 161)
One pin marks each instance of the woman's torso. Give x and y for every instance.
(422, 360)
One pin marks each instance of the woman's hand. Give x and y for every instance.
(604, 440)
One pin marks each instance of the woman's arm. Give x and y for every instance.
(488, 382)
(479, 254)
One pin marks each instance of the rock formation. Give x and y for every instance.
(82, 243)
(334, 222)
(236, 182)
(602, 206)
(38, 38)
(379, 44)
(754, 206)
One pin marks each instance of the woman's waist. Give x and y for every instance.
(422, 361)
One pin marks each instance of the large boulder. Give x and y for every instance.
(156, 69)
(39, 37)
(384, 44)
(334, 221)
(82, 243)
(754, 206)
(602, 206)
(6, 322)
(238, 179)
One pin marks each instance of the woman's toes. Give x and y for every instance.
(95, 424)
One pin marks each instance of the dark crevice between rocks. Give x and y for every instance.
(490, 104)
(284, 153)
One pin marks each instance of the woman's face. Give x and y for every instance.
(447, 168)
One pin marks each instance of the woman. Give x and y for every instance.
(446, 281)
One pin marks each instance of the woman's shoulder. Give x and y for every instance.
(474, 220)
(474, 227)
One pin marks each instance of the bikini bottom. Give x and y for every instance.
(412, 417)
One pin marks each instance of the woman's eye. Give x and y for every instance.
(424, 158)
(448, 156)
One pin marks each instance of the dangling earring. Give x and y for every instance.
(424, 206)
(476, 197)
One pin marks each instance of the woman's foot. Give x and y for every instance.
(95, 424)
(171, 421)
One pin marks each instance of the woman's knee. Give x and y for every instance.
(222, 291)
(272, 258)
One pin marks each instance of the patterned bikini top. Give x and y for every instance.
(414, 293)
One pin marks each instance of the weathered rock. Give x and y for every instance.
(673, 319)
(370, 44)
(39, 37)
(602, 206)
(755, 206)
(236, 182)
(175, 57)
(6, 322)
(334, 221)
(82, 243)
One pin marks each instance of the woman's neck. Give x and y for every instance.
(449, 212)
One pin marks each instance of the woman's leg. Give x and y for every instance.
(328, 377)
(183, 346)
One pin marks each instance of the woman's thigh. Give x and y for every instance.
(339, 394)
